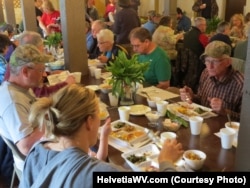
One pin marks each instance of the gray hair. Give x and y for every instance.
(198, 21)
(30, 37)
(105, 35)
(222, 26)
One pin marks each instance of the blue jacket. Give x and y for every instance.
(3, 64)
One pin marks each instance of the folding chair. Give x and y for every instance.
(16, 154)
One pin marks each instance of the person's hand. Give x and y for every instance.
(102, 58)
(171, 151)
(186, 94)
(70, 80)
(216, 105)
(179, 36)
(106, 129)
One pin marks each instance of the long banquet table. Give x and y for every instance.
(218, 159)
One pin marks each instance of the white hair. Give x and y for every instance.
(106, 35)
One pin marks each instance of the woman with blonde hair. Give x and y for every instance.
(72, 116)
(237, 26)
(165, 38)
(50, 20)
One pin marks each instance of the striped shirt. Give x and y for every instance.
(230, 90)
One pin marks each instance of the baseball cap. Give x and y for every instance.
(27, 53)
(216, 49)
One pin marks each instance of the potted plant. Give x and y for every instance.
(53, 42)
(126, 74)
(212, 25)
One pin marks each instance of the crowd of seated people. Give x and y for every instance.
(107, 40)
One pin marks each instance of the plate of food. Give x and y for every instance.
(143, 159)
(139, 109)
(187, 110)
(94, 62)
(126, 133)
(93, 87)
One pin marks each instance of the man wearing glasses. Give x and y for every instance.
(27, 65)
(220, 86)
(159, 71)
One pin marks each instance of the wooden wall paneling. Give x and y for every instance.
(74, 38)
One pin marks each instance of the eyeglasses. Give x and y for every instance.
(214, 62)
(42, 70)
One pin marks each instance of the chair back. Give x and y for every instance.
(238, 64)
(16, 154)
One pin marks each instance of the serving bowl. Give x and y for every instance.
(105, 88)
(170, 125)
(153, 117)
(194, 159)
(57, 65)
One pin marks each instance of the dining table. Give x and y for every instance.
(217, 160)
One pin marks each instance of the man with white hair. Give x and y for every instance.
(107, 46)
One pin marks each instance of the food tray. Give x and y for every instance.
(186, 110)
(128, 134)
(150, 152)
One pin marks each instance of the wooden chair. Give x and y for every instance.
(17, 173)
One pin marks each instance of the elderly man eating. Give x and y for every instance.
(220, 86)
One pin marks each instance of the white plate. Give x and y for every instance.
(139, 109)
(93, 87)
(94, 62)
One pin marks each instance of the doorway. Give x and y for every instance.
(232, 8)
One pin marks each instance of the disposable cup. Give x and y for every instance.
(92, 70)
(162, 107)
(195, 124)
(124, 113)
(77, 76)
(167, 135)
(98, 72)
(113, 100)
(227, 137)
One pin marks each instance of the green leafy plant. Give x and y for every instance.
(53, 39)
(126, 72)
(212, 24)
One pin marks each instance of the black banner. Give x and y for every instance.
(211, 179)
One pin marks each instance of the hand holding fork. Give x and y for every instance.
(185, 94)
